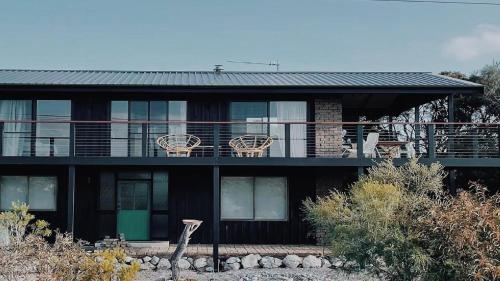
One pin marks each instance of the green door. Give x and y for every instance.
(133, 209)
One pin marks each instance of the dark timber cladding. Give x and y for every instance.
(194, 185)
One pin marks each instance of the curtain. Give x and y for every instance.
(289, 111)
(16, 136)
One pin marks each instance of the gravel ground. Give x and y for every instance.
(279, 274)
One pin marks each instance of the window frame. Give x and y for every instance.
(56, 192)
(287, 199)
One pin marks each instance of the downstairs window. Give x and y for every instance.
(254, 198)
(38, 192)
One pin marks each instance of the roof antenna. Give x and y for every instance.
(218, 69)
(270, 63)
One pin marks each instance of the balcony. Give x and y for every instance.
(293, 143)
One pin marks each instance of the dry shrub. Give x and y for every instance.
(464, 235)
(26, 254)
(400, 222)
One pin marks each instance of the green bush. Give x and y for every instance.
(399, 222)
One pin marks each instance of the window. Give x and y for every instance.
(275, 111)
(126, 139)
(16, 136)
(39, 193)
(254, 198)
(53, 138)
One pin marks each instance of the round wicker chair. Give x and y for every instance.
(179, 145)
(250, 145)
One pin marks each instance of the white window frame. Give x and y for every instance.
(286, 218)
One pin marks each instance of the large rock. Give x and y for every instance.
(164, 264)
(184, 264)
(232, 263)
(154, 260)
(270, 262)
(128, 259)
(200, 263)
(250, 261)
(292, 261)
(147, 266)
(311, 262)
(146, 259)
(325, 263)
(337, 262)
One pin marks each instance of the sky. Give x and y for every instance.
(313, 35)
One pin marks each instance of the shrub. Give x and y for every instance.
(399, 222)
(26, 254)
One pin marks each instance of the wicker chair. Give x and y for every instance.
(250, 145)
(178, 145)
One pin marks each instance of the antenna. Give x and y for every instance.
(270, 63)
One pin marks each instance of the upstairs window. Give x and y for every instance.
(274, 111)
(16, 135)
(126, 138)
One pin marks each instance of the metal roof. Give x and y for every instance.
(227, 79)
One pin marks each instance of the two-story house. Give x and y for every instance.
(244, 149)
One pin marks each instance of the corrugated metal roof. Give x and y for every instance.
(227, 78)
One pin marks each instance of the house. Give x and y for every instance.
(81, 146)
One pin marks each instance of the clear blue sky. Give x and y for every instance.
(334, 35)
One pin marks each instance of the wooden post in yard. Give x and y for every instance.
(190, 227)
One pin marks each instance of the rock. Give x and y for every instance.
(200, 263)
(270, 262)
(250, 261)
(292, 261)
(209, 269)
(154, 260)
(325, 263)
(164, 264)
(336, 262)
(232, 263)
(184, 264)
(161, 279)
(147, 266)
(128, 259)
(351, 265)
(311, 262)
(146, 259)
(210, 262)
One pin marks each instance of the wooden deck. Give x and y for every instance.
(195, 250)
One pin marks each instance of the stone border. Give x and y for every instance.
(205, 264)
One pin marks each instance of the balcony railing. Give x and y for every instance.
(289, 139)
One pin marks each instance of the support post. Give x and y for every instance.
(452, 177)
(71, 199)
(451, 127)
(287, 140)
(216, 133)
(417, 129)
(1, 138)
(72, 139)
(432, 141)
(216, 217)
(144, 139)
(359, 141)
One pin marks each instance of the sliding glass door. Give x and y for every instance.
(274, 111)
(126, 136)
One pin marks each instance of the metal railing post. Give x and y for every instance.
(432, 140)
(359, 141)
(72, 139)
(144, 139)
(475, 143)
(1, 138)
(216, 132)
(287, 140)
